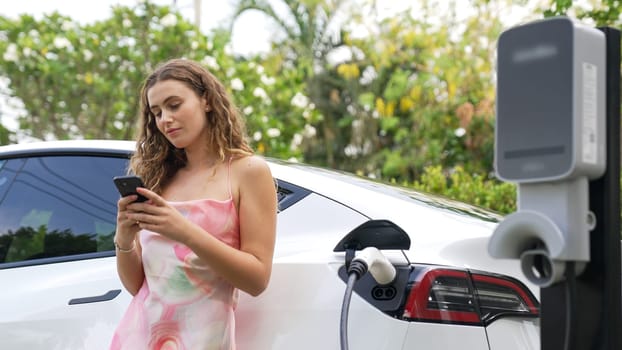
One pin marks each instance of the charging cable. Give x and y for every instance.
(372, 260)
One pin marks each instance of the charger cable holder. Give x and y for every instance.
(550, 227)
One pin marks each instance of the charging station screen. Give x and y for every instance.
(534, 101)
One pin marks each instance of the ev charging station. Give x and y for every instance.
(557, 137)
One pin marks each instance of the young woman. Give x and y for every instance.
(208, 227)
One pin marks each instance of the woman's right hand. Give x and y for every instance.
(126, 228)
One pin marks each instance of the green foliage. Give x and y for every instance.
(470, 188)
(83, 81)
(305, 46)
(418, 94)
(413, 95)
(6, 136)
(599, 12)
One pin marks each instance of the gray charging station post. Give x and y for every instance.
(597, 316)
(558, 138)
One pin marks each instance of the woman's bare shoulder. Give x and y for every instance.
(251, 166)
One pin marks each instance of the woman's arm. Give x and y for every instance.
(250, 267)
(128, 249)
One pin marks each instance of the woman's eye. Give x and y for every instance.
(175, 106)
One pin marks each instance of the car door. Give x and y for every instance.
(60, 288)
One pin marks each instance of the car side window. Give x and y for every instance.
(288, 194)
(57, 206)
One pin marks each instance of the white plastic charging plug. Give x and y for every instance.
(377, 264)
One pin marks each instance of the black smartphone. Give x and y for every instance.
(127, 186)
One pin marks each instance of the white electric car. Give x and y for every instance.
(59, 287)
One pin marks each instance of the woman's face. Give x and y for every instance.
(179, 113)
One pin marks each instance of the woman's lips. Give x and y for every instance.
(172, 131)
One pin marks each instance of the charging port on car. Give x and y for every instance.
(383, 292)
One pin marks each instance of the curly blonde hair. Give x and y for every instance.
(156, 160)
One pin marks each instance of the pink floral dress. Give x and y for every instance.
(182, 303)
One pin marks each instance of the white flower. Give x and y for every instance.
(67, 25)
(88, 55)
(228, 49)
(170, 20)
(61, 43)
(351, 150)
(296, 141)
(127, 23)
(299, 100)
(211, 63)
(10, 55)
(459, 132)
(267, 80)
(210, 45)
(127, 41)
(309, 131)
(260, 69)
(259, 92)
(27, 51)
(51, 56)
(264, 119)
(257, 136)
(237, 84)
(113, 59)
(273, 132)
(368, 76)
(118, 124)
(248, 110)
(194, 45)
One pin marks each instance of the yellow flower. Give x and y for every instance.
(380, 107)
(348, 71)
(410, 38)
(390, 110)
(88, 78)
(451, 90)
(415, 93)
(406, 104)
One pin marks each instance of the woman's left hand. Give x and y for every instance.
(158, 216)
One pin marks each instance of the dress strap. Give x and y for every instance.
(229, 177)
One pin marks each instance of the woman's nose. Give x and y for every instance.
(166, 116)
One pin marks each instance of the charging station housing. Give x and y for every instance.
(549, 139)
(550, 102)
